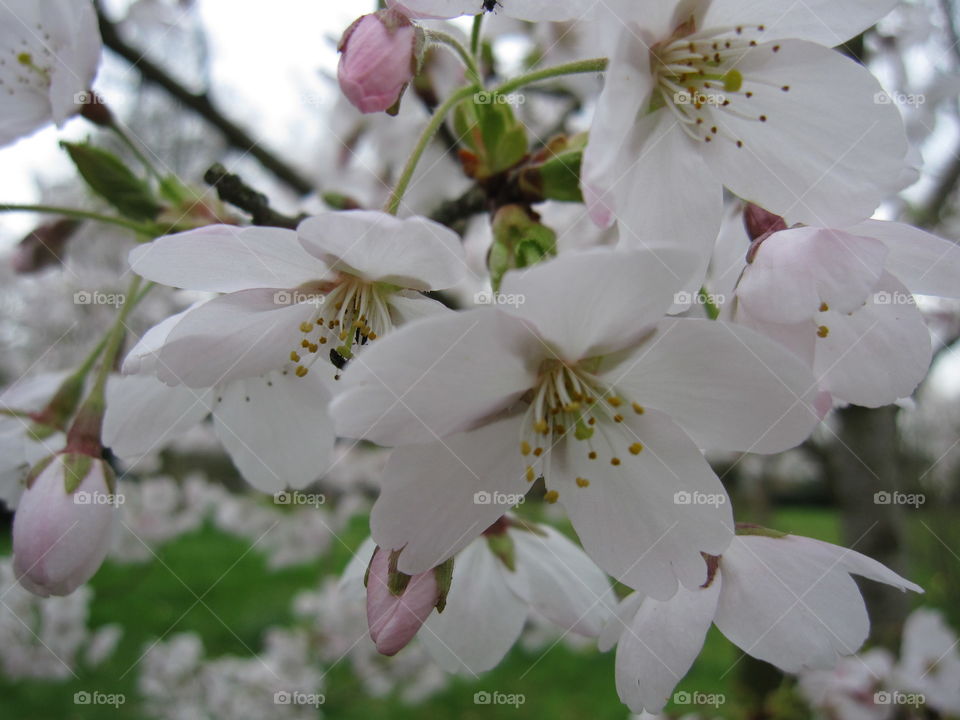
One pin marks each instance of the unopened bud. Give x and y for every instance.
(379, 57)
(398, 604)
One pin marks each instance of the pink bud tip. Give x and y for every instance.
(378, 56)
(394, 620)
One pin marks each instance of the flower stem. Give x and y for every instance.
(134, 148)
(81, 215)
(439, 115)
(473, 72)
(596, 65)
(475, 35)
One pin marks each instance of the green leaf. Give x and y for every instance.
(107, 176)
(494, 141)
(553, 173)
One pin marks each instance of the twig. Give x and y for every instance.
(235, 136)
(232, 189)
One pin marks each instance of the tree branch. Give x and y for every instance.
(235, 135)
(232, 189)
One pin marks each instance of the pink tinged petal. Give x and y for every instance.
(560, 581)
(827, 153)
(788, 606)
(627, 86)
(795, 271)
(925, 263)
(436, 377)
(597, 301)
(395, 619)
(800, 337)
(413, 253)
(483, 617)
(226, 258)
(727, 386)
(646, 520)
(826, 22)
(276, 429)
(58, 543)
(668, 198)
(377, 60)
(660, 645)
(438, 497)
(144, 415)
(878, 354)
(243, 334)
(619, 622)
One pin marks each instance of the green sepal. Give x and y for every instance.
(503, 547)
(396, 581)
(444, 576)
(37, 469)
(76, 467)
(751, 529)
(519, 241)
(107, 176)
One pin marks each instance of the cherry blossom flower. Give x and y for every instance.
(340, 281)
(785, 599)
(843, 301)
(49, 52)
(61, 537)
(700, 95)
(584, 384)
(930, 661)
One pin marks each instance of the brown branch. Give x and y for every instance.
(232, 189)
(235, 135)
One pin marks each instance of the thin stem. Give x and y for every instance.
(475, 35)
(137, 152)
(439, 115)
(580, 66)
(473, 72)
(113, 342)
(81, 215)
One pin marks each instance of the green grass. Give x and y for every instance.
(241, 598)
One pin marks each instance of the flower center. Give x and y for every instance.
(352, 312)
(696, 75)
(569, 403)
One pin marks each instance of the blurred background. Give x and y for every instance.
(214, 598)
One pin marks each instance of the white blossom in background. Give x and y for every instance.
(48, 638)
(581, 382)
(848, 690)
(49, 52)
(788, 600)
(744, 95)
(930, 661)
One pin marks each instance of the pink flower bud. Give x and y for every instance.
(378, 59)
(395, 612)
(60, 538)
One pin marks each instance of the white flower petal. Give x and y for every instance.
(144, 415)
(227, 258)
(852, 562)
(787, 606)
(435, 377)
(530, 10)
(729, 387)
(827, 153)
(409, 305)
(925, 263)
(276, 429)
(438, 497)
(243, 334)
(413, 253)
(597, 301)
(142, 357)
(647, 520)
(660, 645)
(620, 621)
(483, 617)
(878, 354)
(560, 581)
